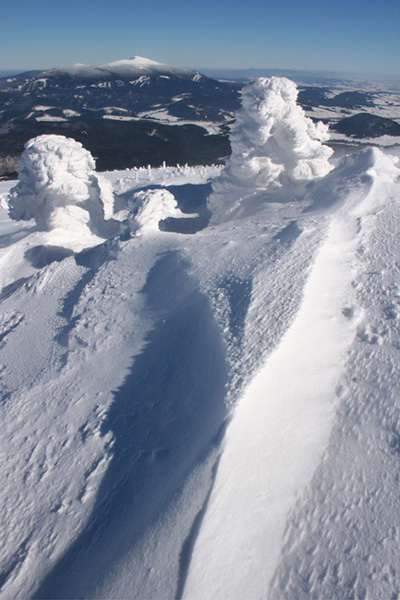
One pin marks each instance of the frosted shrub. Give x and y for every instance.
(58, 187)
(273, 143)
(149, 207)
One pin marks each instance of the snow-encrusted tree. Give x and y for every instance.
(59, 188)
(148, 207)
(273, 143)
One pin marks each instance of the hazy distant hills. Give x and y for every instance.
(127, 113)
(367, 125)
(315, 96)
(137, 111)
(121, 89)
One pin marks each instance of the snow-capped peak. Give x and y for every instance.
(131, 67)
(136, 62)
(138, 65)
(125, 68)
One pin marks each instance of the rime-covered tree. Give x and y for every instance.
(59, 188)
(273, 143)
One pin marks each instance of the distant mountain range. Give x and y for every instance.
(122, 90)
(137, 111)
(126, 113)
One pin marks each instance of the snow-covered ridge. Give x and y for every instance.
(78, 70)
(136, 66)
(177, 405)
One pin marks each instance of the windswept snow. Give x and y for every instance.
(278, 434)
(201, 412)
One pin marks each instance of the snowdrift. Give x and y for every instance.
(351, 185)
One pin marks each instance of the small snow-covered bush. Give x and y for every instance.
(59, 188)
(149, 207)
(273, 143)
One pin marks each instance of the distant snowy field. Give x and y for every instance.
(204, 409)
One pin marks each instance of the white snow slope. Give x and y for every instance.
(207, 411)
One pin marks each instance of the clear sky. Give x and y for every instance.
(340, 35)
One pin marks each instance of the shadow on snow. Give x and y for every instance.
(165, 415)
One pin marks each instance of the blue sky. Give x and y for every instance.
(341, 35)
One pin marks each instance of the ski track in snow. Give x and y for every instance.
(130, 475)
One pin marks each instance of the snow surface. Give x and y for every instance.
(205, 412)
(162, 115)
(51, 119)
